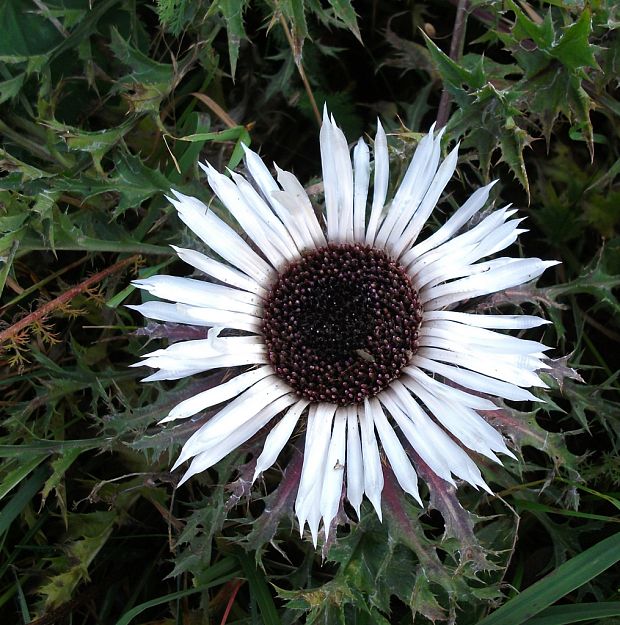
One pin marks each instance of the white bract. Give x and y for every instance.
(432, 408)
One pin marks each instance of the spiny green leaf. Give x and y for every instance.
(278, 505)
(404, 526)
(580, 105)
(144, 70)
(423, 601)
(523, 429)
(148, 82)
(513, 141)
(60, 466)
(344, 11)
(136, 182)
(459, 523)
(541, 34)
(596, 281)
(10, 163)
(294, 11)
(573, 49)
(232, 11)
(91, 532)
(411, 55)
(453, 74)
(590, 403)
(97, 143)
(11, 88)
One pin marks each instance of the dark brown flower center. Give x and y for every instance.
(341, 322)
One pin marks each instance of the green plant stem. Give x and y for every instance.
(26, 143)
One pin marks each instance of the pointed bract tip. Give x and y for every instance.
(301, 526)
(508, 453)
(180, 460)
(484, 486)
(314, 531)
(417, 497)
(184, 478)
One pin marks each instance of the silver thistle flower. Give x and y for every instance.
(348, 322)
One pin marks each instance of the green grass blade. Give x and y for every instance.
(49, 447)
(7, 263)
(222, 572)
(568, 614)
(536, 506)
(21, 498)
(560, 582)
(259, 591)
(129, 616)
(17, 475)
(21, 600)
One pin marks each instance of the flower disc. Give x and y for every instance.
(340, 323)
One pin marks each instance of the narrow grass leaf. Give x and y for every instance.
(21, 599)
(568, 614)
(534, 505)
(17, 475)
(564, 579)
(259, 590)
(21, 499)
(7, 262)
(225, 568)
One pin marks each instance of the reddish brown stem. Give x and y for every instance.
(63, 299)
(302, 72)
(231, 600)
(456, 50)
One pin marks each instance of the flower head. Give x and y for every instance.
(347, 321)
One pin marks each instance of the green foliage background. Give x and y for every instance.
(105, 105)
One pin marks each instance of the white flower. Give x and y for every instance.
(346, 322)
